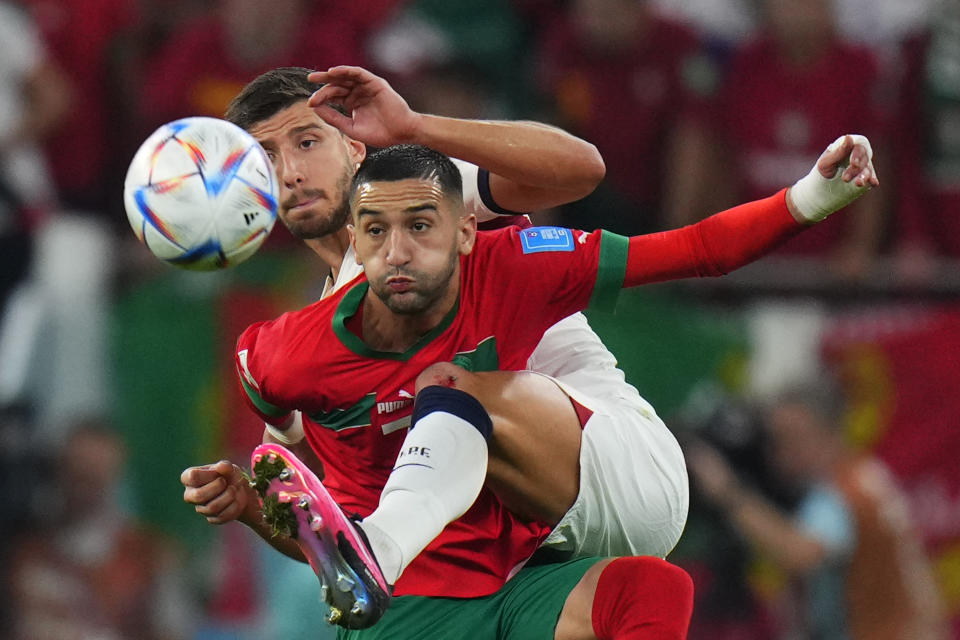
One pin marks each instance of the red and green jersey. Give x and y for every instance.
(356, 402)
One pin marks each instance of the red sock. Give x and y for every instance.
(642, 598)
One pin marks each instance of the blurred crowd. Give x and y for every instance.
(694, 105)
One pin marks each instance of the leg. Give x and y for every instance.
(622, 470)
(633, 598)
(534, 451)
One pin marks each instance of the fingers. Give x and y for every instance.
(333, 117)
(834, 156)
(860, 169)
(344, 74)
(328, 93)
(224, 508)
(853, 154)
(197, 476)
(204, 493)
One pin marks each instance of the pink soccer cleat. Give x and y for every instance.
(296, 504)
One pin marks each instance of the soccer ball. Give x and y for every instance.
(201, 194)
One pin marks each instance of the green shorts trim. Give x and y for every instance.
(526, 608)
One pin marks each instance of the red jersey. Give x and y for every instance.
(356, 402)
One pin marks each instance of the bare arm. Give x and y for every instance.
(532, 165)
(752, 516)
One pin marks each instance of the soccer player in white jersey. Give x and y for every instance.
(616, 487)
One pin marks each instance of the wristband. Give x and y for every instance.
(292, 434)
(816, 197)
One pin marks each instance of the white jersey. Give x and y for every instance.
(569, 351)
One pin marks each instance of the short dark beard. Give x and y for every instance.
(319, 228)
(432, 290)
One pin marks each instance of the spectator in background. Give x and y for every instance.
(33, 101)
(83, 149)
(443, 43)
(847, 545)
(928, 136)
(637, 86)
(205, 64)
(782, 94)
(88, 570)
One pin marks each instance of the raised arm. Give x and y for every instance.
(733, 238)
(532, 165)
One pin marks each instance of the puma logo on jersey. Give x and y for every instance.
(393, 405)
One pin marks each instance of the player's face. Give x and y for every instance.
(314, 164)
(409, 235)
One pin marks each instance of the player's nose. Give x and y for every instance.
(290, 172)
(398, 248)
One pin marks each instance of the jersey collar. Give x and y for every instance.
(348, 306)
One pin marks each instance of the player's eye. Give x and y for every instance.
(420, 226)
(374, 231)
(307, 143)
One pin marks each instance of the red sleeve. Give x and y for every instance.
(250, 377)
(714, 246)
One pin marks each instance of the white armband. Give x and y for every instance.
(817, 197)
(292, 434)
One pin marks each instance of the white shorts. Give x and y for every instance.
(634, 494)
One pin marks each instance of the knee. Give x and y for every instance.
(444, 374)
(648, 572)
(643, 592)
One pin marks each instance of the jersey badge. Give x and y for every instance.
(540, 239)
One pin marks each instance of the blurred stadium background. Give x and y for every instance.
(694, 105)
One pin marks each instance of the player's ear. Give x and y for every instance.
(357, 151)
(466, 233)
(352, 230)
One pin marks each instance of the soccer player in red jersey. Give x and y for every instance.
(742, 233)
(548, 462)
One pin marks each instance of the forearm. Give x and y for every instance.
(532, 165)
(771, 532)
(284, 544)
(714, 246)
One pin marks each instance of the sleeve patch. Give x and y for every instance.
(540, 239)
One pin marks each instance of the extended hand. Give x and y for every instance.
(843, 173)
(220, 492)
(379, 116)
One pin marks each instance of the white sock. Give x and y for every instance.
(438, 475)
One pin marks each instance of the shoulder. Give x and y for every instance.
(286, 330)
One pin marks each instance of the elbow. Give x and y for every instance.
(592, 170)
(583, 172)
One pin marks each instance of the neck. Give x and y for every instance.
(385, 330)
(330, 248)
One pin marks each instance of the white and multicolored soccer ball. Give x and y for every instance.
(201, 194)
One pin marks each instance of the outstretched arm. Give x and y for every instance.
(735, 237)
(756, 519)
(532, 165)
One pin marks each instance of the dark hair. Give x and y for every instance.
(404, 161)
(270, 93)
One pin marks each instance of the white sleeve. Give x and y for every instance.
(476, 193)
